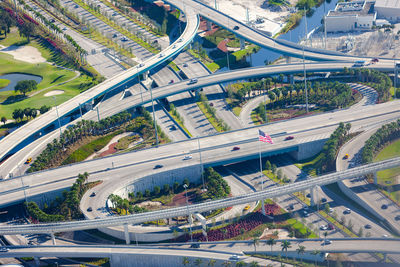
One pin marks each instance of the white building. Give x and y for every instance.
(388, 9)
(351, 16)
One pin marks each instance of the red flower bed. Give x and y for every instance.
(30, 19)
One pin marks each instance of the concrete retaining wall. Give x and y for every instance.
(309, 149)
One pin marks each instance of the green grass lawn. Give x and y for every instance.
(307, 165)
(388, 177)
(4, 83)
(51, 76)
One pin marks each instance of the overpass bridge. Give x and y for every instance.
(51, 228)
(309, 132)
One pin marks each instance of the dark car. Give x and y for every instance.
(93, 194)
(171, 81)
(194, 245)
(368, 226)
(235, 148)
(173, 128)
(158, 166)
(291, 207)
(330, 226)
(290, 137)
(397, 218)
(384, 206)
(308, 195)
(89, 209)
(323, 200)
(236, 28)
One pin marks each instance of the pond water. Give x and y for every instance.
(14, 78)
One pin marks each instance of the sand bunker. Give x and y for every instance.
(28, 54)
(54, 92)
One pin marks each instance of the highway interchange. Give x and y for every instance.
(221, 145)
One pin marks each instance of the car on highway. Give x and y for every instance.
(185, 65)
(180, 40)
(28, 160)
(93, 194)
(64, 29)
(187, 157)
(384, 206)
(236, 28)
(235, 148)
(124, 39)
(115, 35)
(291, 207)
(327, 242)
(323, 200)
(192, 81)
(346, 156)
(173, 128)
(385, 236)
(306, 214)
(308, 196)
(290, 137)
(374, 60)
(3, 249)
(330, 226)
(161, 55)
(331, 210)
(141, 65)
(158, 166)
(171, 81)
(246, 208)
(89, 209)
(197, 245)
(347, 211)
(234, 257)
(323, 227)
(368, 226)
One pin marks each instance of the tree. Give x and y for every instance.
(157, 190)
(3, 120)
(285, 245)
(268, 165)
(25, 86)
(273, 168)
(300, 251)
(315, 253)
(27, 29)
(256, 242)
(271, 242)
(44, 109)
(279, 174)
(241, 263)
(185, 261)
(198, 262)
(327, 208)
(18, 114)
(226, 263)
(212, 262)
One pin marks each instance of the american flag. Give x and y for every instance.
(263, 137)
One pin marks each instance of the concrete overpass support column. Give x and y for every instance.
(145, 75)
(53, 238)
(37, 261)
(197, 94)
(127, 237)
(209, 25)
(314, 199)
(242, 43)
(375, 178)
(263, 206)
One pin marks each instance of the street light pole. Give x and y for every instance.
(201, 164)
(58, 117)
(189, 215)
(305, 80)
(154, 116)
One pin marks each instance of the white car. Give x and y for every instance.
(234, 257)
(187, 157)
(323, 227)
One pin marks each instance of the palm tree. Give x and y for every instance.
(226, 263)
(271, 242)
(256, 242)
(198, 262)
(185, 261)
(301, 250)
(325, 235)
(315, 253)
(212, 262)
(241, 263)
(285, 245)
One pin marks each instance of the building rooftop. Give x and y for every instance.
(388, 3)
(354, 8)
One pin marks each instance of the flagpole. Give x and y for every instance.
(261, 174)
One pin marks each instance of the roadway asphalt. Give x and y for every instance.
(106, 66)
(365, 191)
